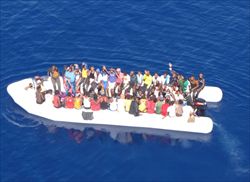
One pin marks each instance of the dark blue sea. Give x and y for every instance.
(209, 36)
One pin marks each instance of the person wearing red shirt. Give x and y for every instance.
(150, 106)
(164, 109)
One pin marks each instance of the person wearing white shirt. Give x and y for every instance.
(171, 109)
(156, 79)
(165, 79)
(139, 77)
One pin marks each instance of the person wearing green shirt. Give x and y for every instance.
(159, 105)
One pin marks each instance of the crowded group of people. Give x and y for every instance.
(116, 90)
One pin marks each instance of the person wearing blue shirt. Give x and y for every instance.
(70, 76)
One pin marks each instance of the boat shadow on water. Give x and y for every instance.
(125, 135)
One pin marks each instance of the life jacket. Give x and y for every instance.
(56, 101)
(84, 73)
(150, 107)
(78, 103)
(55, 74)
(69, 102)
(95, 106)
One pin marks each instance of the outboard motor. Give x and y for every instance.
(201, 106)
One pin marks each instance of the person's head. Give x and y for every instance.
(112, 70)
(167, 101)
(57, 92)
(92, 68)
(139, 73)
(131, 73)
(191, 78)
(76, 66)
(39, 82)
(53, 67)
(95, 97)
(69, 68)
(118, 70)
(156, 75)
(201, 75)
(84, 67)
(180, 102)
(97, 70)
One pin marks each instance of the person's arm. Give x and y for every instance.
(49, 72)
(203, 84)
(172, 95)
(197, 85)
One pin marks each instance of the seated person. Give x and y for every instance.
(113, 106)
(86, 102)
(57, 100)
(78, 101)
(179, 108)
(134, 108)
(69, 101)
(158, 105)
(95, 103)
(150, 105)
(171, 109)
(40, 97)
(142, 105)
(104, 102)
(164, 108)
(128, 101)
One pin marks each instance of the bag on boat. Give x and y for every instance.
(87, 115)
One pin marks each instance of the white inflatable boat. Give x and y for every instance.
(26, 100)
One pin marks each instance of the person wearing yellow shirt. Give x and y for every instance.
(128, 102)
(147, 79)
(78, 102)
(83, 81)
(142, 105)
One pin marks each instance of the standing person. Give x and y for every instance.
(156, 79)
(84, 78)
(71, 77)
(119, 81)
(139, 77)
(201, 85)
(55, 77)
(147, 79)
(165, 79)
(111, 80)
